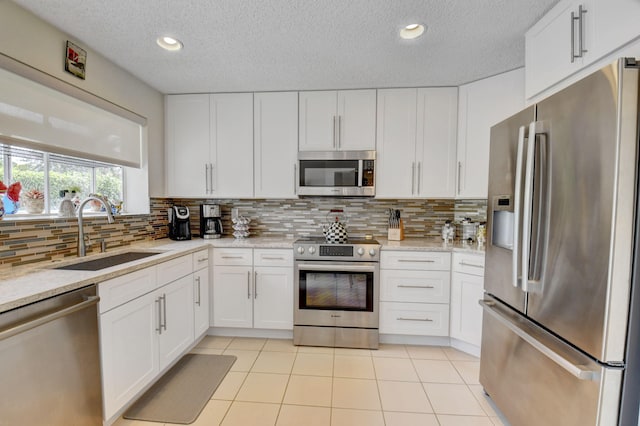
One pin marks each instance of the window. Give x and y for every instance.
(52, 173)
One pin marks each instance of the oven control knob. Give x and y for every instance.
(360, 251)
(300, 250)
(372, 252)
(312, 250)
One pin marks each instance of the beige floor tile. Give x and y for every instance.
(247, 343)
(212, 413)
(410, 419)
(313, 364)
(390, 351)
(315, 350)
(263, 387)
(356, 367)
(297, 415)
(206, 351)
(436, 371)
(469, 370)
(352, 352)
(251, 413)
(343, 417)
(355, 393)
(126, 422)
(245, 359)
(230, 386)
(426, 352)
(484, 400)
(280, 345)
(215, 342)
(398, 369)
(452, 399)
(309, 390)
(274, 362)
(448, 420)
(456, 355)
(403, 396)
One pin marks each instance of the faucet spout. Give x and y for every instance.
(82, 248)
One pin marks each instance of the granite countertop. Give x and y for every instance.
(23, 285)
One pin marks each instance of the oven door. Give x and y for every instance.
(338, 294)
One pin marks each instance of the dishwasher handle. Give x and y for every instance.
(88, 302)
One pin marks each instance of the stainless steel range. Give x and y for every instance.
(337, 293)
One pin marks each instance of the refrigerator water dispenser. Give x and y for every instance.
(502, 211)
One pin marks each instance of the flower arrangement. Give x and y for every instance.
(10, 196)
(34, 201)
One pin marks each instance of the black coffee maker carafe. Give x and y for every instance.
(210, 221)
(179, 223)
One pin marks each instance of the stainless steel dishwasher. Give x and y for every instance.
(50, 362)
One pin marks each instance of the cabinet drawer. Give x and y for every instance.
(119, 290)
(272, 257)
(173, 269)
(233, 257)
(468, 263)
(415, 286)
(415, 260)
(200, 259)
(419, 319)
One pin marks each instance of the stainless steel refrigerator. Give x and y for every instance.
(560, 312)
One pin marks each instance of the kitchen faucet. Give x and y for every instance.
(82, 248)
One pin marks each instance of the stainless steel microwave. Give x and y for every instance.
(336, 173)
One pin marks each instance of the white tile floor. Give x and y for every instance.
(274, 382)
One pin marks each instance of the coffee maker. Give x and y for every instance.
(210, 221)
(179, 223)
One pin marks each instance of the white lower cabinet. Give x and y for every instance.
(414, 295)
(146, 323)
(253, 288)
(467, 284)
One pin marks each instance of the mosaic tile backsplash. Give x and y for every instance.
(29, 241)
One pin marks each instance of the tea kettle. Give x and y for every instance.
(335, 231)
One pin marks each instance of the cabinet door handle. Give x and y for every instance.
(459, 175)
(164, 311)
(295, 179)
(414, 286)
(211, 188)
(248, 285)
(419, 174)
(339, 131)
(206, 178)
(473, 265)
(198, 292)
(255, 285)
(413, 177)
(578, 18)
(415, 319)
(334, 131)
(581, 13)
(159, 329)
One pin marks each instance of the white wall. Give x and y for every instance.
(26, 38)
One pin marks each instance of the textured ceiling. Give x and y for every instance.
(255, 45)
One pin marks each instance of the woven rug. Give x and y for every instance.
(181, 394)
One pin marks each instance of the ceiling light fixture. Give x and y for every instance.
(412, 31)
(169, 43)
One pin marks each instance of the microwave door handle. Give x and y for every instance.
(517, 211)
(360, 173)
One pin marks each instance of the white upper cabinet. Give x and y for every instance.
(231, 145)
(337, 120)
(482, 104)
(573, 35)
(187, 145)
(416, 143)
(275, 122)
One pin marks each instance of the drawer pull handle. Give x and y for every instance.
(232, 257)
(272, 258)
(417, 260)
(204, 259)
(473, 265)
(415, 286)
(415, 319)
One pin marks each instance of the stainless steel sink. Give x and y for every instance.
(108, 261)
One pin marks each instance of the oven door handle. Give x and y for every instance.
(337, 267)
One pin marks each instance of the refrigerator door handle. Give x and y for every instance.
(517, 203)
(576, 370)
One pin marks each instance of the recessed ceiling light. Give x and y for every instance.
(412, 31)
(169, 43)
